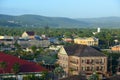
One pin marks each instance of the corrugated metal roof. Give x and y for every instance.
(25, 66)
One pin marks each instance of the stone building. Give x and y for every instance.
(76, 59)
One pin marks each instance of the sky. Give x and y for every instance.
(62, 8)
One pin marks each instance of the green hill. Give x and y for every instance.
(39, 21)
(57, 22)
(105, 22)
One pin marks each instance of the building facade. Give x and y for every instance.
(78, 59)
(91, 41)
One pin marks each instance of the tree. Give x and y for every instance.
(34, 49)
(17, 46)
(3, 65)
(59, 71)
(44, 75)
(16, 69)
(94, 76)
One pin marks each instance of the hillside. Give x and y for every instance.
(105, 22)
(39, 21)
(57, 22)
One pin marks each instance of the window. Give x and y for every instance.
(100, 61)
(88, 68)
(83, 68)
(83, 61)
(92, 68)
(92, 61)
(101, 68)
(97, 68)
(97, 61)
(88, 61)
(76, 61)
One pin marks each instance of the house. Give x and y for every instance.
(91, 41)
(26, 67)
(115, 48)
(7, 40)
(76, 59)
(68, 39)
(37, 43)
(28, 35)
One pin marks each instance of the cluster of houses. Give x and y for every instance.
(76, 59)
(29, 38)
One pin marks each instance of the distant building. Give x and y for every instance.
(6, 37)
(78, 59)
(37, 43)
(54, 40)
(68, 39)
(98, 30)
(28, 35)
(91, 41)
(7, 40)
(115, 48)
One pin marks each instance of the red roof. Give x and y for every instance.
(25, 66)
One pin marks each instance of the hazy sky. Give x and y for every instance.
(62, 8)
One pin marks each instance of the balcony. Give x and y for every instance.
(93, 62)
(74, 62)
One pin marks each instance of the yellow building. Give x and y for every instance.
(1, 37)
(28, 35)
(91, 41)
(115, 48)
(78, 59)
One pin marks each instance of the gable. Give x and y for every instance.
(25, 34)
(62, 51)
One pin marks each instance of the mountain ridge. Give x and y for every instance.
(31, 20)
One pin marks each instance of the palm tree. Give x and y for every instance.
(59, 71)
(3, 65)
(16, 69)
